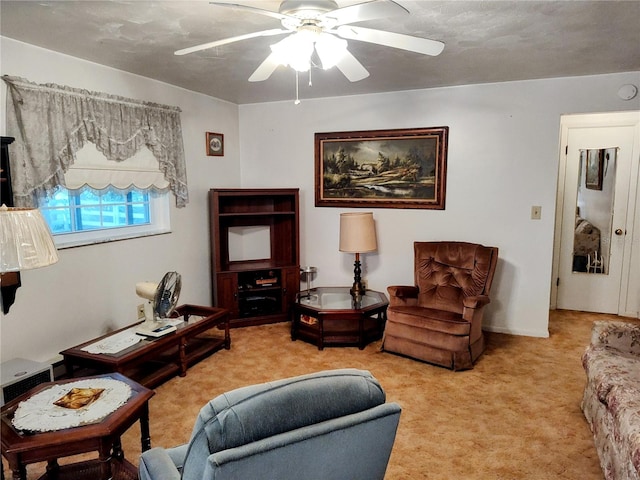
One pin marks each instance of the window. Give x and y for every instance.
(81, 217)
(78, 215)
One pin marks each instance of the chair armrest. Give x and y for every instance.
(156, 464)
(619, 335)
(403, 291)
(402, 295)
(476, 301)
(473, 307)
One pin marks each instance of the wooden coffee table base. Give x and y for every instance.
(331, 316)
(22, 449)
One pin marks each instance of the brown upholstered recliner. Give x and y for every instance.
(439, 320)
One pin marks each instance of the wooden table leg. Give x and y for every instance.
(294, 316)
(53, 468)
(118, 453)
(321, 337)
(104, 456)
(227, 335)
(68, 367)
(19, 472)
(145, 436)
(182, 357)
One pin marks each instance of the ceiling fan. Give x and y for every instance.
(320, 26)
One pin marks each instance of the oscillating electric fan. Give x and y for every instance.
(162, 299)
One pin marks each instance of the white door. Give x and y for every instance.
(595, 223)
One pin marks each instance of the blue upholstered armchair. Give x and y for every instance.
(330, 425)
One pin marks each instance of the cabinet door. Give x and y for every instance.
(291, 286)
(227, 293)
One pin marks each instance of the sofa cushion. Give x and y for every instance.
(252, 413)
(608, 367)
(431, 319)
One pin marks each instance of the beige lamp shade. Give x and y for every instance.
(357, 233)
(25, 240)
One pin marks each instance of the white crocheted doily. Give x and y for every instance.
(39, 414)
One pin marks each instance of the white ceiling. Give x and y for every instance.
(486, 41)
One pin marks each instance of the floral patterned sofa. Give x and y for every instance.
(611, 402)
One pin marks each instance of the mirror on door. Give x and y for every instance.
(594, 209)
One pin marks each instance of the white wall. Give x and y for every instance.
(91, 290)
(503, 159)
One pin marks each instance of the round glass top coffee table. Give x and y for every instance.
(331, 316)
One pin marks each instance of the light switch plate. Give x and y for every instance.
(536, 212)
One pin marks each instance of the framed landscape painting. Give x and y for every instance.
(400, 168)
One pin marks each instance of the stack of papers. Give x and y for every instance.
(114, 343)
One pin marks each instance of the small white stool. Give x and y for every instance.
(595, 264)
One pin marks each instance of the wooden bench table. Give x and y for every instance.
(151, 361)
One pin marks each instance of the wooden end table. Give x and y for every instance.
(23, 448)
(151, 361)
(331, 316)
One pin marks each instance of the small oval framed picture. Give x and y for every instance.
(215, 144)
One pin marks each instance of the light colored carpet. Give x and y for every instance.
(516, 415)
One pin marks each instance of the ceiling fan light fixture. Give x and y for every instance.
(320, 27)
(331, 50)
(295, 50)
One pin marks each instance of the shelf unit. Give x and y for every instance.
(255, 290)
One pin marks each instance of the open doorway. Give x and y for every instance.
(595, 247)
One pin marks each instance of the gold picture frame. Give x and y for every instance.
(398, 168)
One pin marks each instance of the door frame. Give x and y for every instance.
(628, 300)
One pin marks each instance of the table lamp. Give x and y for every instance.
(25, 240)
(357, 235)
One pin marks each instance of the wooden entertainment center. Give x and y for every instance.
(255, 253)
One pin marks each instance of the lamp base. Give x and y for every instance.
(357, 289)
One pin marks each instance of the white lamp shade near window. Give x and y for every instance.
(357, 233)
(25, 240)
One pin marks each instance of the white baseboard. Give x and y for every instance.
(516, 331)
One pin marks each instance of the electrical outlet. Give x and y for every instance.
(536, 212)
(140, 312)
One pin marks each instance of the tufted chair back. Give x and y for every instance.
(448, 272)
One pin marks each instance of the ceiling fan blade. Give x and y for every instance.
(265, 69)
(260, 11)
(351, 67)
(390, 39)
(224, 41)
(362, 12)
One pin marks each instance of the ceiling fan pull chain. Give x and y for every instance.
(297, 102)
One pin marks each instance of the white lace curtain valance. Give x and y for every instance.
(51, 123)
